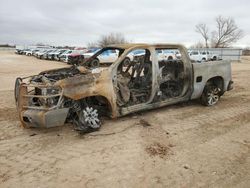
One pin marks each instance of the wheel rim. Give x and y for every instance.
(91, 117)
(213, 96)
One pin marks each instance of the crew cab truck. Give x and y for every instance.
(81, 94)
(201, 56)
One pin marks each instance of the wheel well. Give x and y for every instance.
(217, 81)
(101, 103)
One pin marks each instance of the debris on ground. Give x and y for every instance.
(186, 166)
(157, 149)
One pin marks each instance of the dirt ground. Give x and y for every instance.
(184, 145)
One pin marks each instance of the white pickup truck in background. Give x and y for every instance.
(200, 56)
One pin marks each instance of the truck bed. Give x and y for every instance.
(202, 72)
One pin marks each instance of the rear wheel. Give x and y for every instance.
(210, 95)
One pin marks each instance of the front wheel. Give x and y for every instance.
(87, 120)
(210, 95)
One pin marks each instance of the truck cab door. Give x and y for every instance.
(134, 81)
(174, 78)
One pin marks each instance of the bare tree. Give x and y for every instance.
(203, 30)
(112, 38)
(227, 32)
(92, 45)
(198, 45)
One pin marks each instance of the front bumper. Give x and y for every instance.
(37, 116)
(46, 119)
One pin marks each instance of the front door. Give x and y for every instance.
(134, 78)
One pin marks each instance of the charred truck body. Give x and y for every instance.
(80, 94)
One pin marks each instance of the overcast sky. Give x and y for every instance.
(78, 22)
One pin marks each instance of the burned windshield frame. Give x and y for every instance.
(87, 62)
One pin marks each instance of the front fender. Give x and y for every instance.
(95, 84)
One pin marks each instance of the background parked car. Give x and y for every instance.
(54, 54)
(108, 56)
(64, 56)
(27, 52)
(200, 56)
(40, 53)
(76, 57)
(89, 52)
(166, 55)
(19, 51)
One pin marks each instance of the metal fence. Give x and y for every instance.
(224, 53)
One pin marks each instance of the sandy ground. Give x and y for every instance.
(184, 145)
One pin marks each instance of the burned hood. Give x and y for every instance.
(66, 76)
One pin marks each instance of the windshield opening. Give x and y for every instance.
(104, 57)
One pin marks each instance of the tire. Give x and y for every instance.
(94, 63)
(214, 58)
(126, 62)
(87, 120)
(203, 59)
(17, 85)
(210, 95)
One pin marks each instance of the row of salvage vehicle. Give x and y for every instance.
(134, 78)
(78, 56)
(65, 55)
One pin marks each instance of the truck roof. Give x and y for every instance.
(144, 45)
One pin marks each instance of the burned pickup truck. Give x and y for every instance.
(81, 94)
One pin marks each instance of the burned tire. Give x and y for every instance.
(17, 85)
(210, 95)
(87, 120)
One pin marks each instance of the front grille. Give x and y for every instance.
(40, 97)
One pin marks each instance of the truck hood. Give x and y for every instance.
(58, 77)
